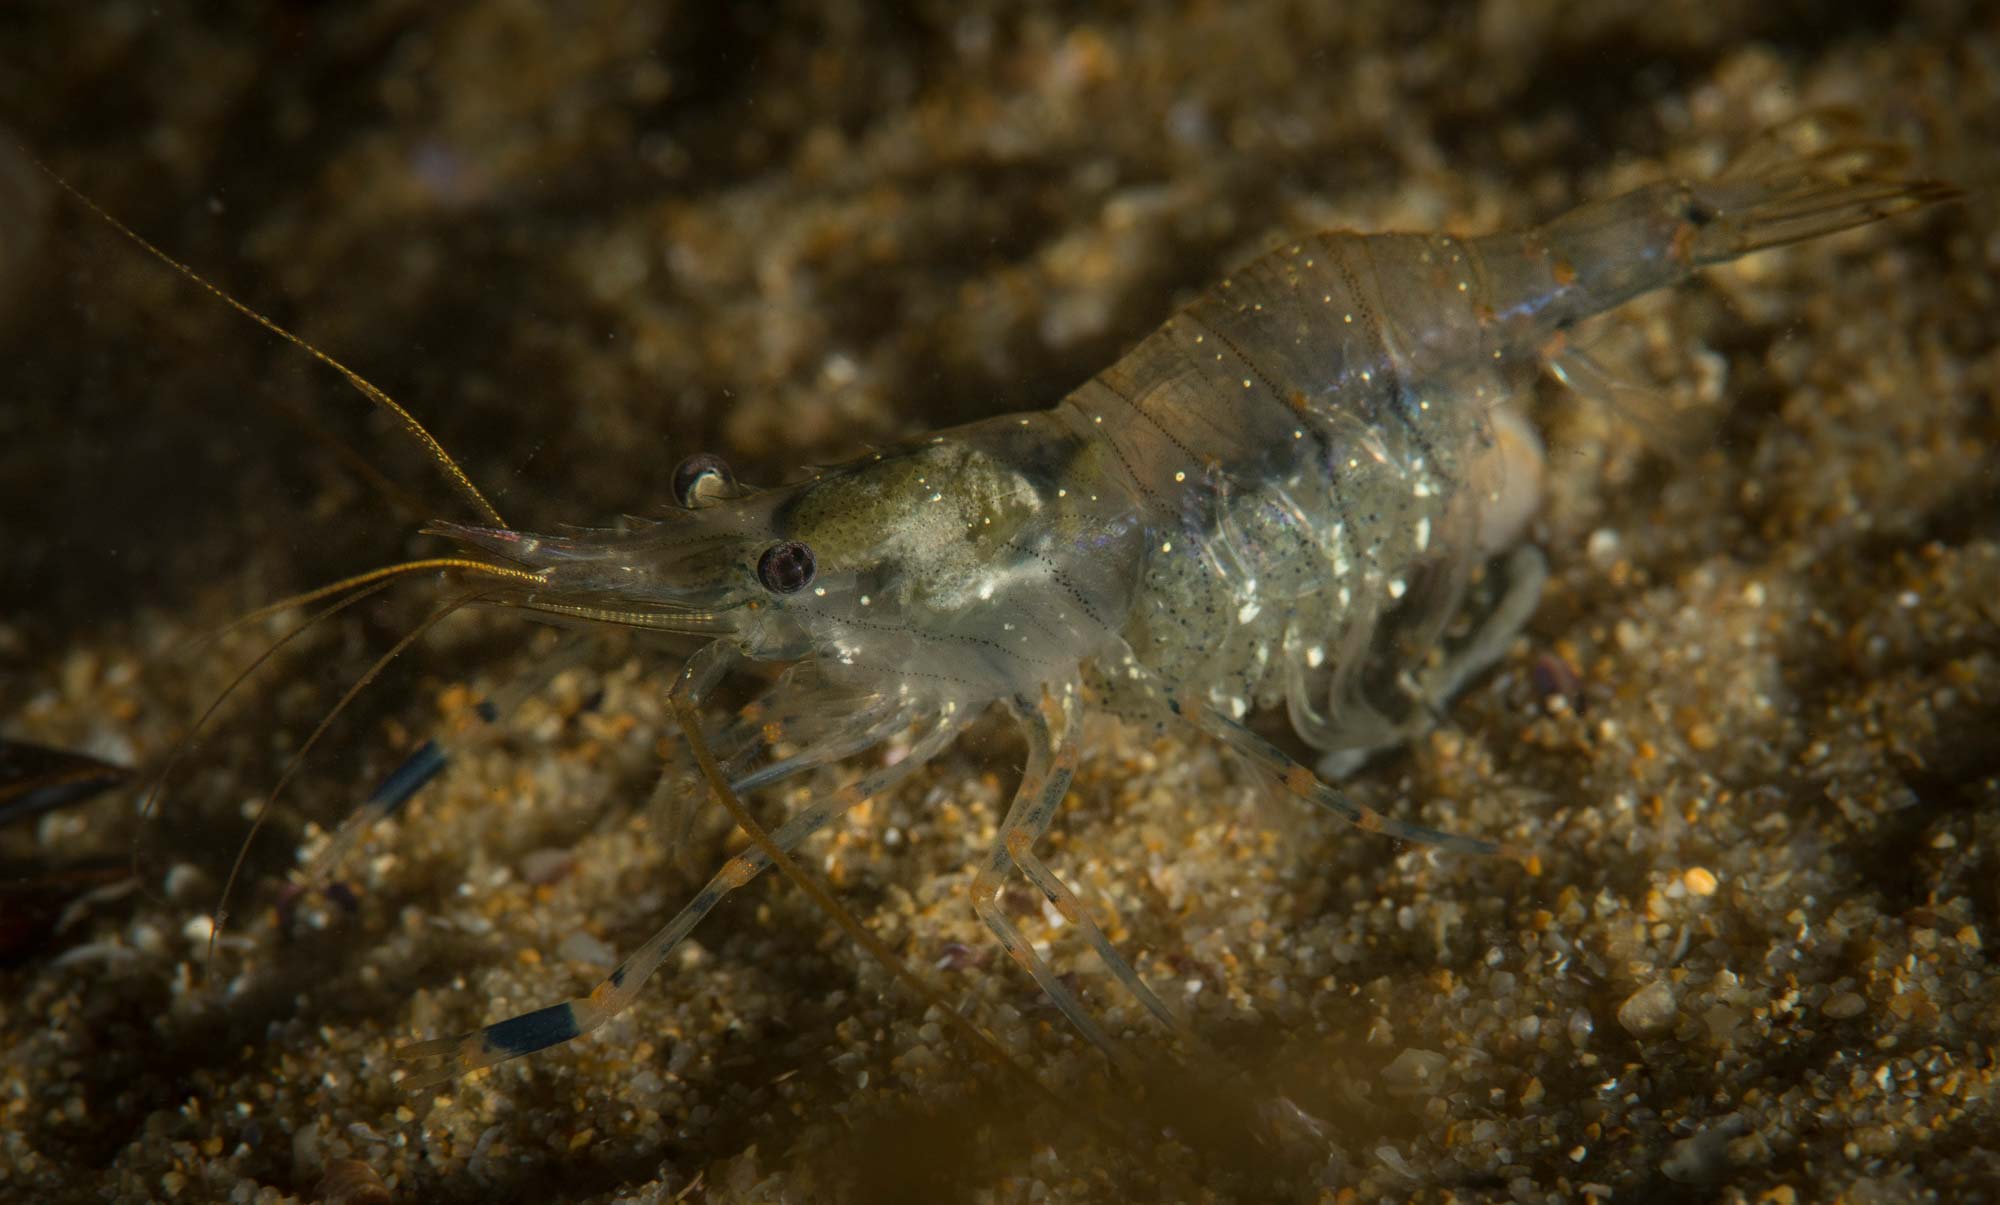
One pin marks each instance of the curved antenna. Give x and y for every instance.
(361, 384)
(519, 577)
(357, 587)
(299, 756)
(182, 746)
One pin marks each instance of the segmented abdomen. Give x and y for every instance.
(1308, 441)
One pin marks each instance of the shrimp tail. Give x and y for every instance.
(1732, 219)
(1808, 177)
(1812, 176)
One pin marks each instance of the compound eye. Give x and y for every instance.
(786, 568)
(701, 479)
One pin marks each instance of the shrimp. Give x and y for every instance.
(1282, 497)
(1278, 497)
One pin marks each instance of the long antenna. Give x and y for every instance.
(360, 383)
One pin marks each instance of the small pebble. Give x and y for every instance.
(1415, 1073)
(1648, 1011)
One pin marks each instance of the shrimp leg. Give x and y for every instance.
(447, 1058)
(1526, 571)
(1043, 785)
(675, 795)
(737, 746)
(1052, 725)
(1299, 779)
(1052, 758)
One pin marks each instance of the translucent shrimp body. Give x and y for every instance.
(1278, 497)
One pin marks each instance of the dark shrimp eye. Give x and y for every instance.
(699, 478)
(786, 568)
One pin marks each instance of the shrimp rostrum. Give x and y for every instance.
(1282, 497)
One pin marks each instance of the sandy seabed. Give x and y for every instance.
(1753, 732)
